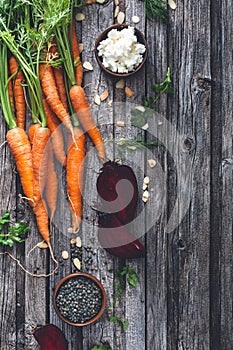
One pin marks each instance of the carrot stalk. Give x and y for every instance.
(75, 164)
(21, 149)
(40, 161)
(56, 134)
(76, 56)
(82, 108)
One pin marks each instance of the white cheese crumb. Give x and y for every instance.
(120, 51)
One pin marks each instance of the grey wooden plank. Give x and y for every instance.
(156, 237)
(221, 259)
(188, 245)
(8, 333)
(97, 82)
(135, 297)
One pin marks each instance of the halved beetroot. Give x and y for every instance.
(127, 196)
(50, 337)
(115, 238)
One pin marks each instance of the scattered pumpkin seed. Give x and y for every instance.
(79, 17)
(120, 17)
(65, 255)
(128, 92)
(42, 245)
(145, 196)
(100, 1)
(121, 142)
(135, 19)
(110, 103)
(73, 241)
(77, 263)
(133, 148)
(140, 108)
(146, 180)
(151, 163)
(78, 242)
(80, 47)
(104, 95)
(120, 123)
(144, 187)
(145, 127)
(160, 123)
(152, 189)
(172, 4)
(116, 2)
(87, 65)
(97, 99)
(120, 84)
(117, 10)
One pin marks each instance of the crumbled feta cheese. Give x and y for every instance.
(120, 51)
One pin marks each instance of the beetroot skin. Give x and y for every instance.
(50, 337)
(107, 181)
(120, 242)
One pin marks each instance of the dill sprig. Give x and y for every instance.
(156, 9)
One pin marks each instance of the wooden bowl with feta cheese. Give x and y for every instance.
(121, 50)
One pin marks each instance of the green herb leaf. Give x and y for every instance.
(14, 232)
(156, 9)
(124, 324)
(165, 87)
(101, 347)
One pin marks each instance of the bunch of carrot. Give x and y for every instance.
(53, 88)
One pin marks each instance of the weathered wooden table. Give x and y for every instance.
(184, 298)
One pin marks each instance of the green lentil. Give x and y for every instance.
(79, 299)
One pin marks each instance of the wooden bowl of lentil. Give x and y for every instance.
(79, 299)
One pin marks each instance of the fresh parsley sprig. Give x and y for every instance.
(14, 232)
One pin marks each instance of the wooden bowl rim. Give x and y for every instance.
(93, 278)
(139, 35)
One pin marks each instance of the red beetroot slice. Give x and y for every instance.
(50, 337)
(107, 181)
(118, 242)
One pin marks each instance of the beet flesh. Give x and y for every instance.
(50, 337)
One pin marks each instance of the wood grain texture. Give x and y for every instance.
(184, 297)
(8, 332)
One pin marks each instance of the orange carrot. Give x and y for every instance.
(10, 92)
(31, 132)
(19, 98)
(51, 184)
(82, 108)
(59, 78)
(42, 220)
(40, 161)
(21, 149)
(75, 164)
(58, 75)
(76, 57)
(56, 134)
(52, 97)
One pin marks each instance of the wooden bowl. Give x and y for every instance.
(88, 276)
(103, 36)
